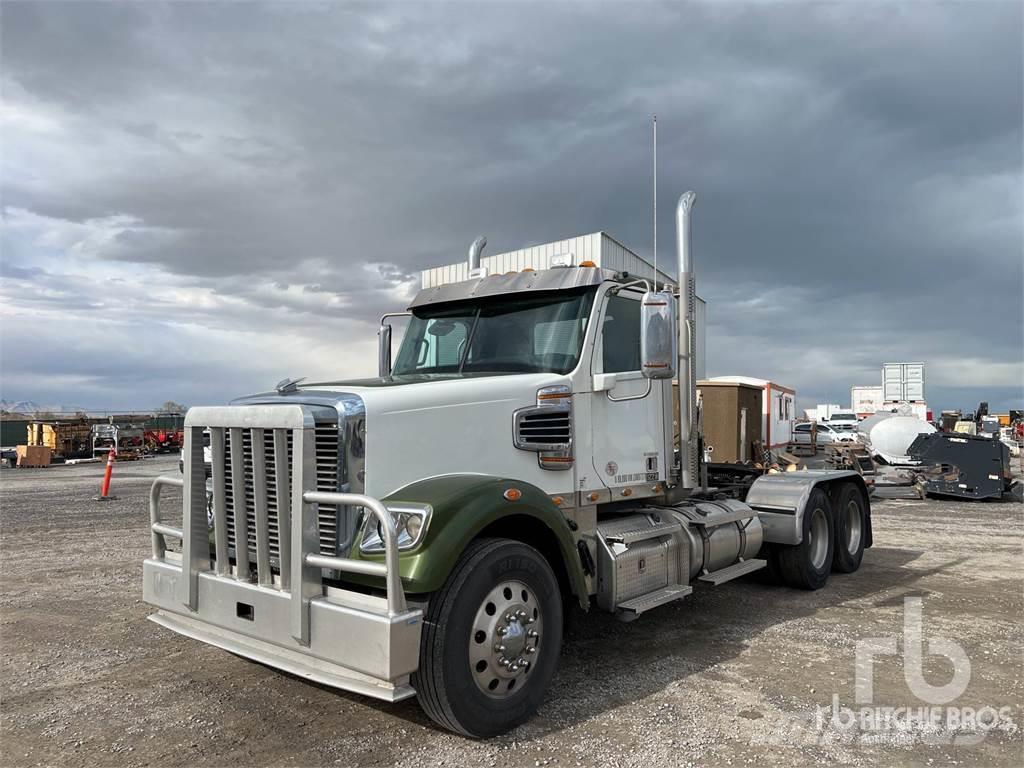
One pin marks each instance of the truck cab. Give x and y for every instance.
(843, 421)
(534, 446)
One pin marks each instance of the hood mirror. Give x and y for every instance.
(384, 351)
(384, 343)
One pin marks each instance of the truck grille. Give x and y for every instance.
(327, 446)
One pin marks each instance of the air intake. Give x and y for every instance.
(543, 428)
(546, 428)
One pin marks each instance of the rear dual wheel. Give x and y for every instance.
(806, 565)
(491, 640)
(851, 529)
(833, 539)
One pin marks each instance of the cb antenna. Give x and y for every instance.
(655, 202)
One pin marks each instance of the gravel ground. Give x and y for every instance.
(733, 675)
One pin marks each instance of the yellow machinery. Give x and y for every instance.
(67, 439)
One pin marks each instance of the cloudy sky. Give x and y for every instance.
(200, 199)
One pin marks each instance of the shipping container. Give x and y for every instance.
(599, 247)
(778, 409)
(903, 382)
(865, 399)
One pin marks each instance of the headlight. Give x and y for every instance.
(411, 522)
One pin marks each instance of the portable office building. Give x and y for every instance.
(778, 409)
(732, 422)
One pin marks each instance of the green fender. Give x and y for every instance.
(463, 506)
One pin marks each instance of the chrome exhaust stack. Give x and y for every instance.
(474, 256)
(688, 459)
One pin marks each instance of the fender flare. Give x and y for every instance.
(464, 505)
(780, 501)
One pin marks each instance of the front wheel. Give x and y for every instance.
(490, 640)
(806, 565)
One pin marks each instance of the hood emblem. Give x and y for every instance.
(285, 386)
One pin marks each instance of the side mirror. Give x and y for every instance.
(384, 343)
(659, 339)
(384, 350)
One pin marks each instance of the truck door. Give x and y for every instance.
(626, 410)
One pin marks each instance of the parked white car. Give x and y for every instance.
(826, 435)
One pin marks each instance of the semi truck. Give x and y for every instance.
(525, 454)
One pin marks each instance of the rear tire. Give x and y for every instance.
(806, 565)
(851, 529)
(502, 594)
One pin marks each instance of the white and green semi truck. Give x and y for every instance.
(425, 532)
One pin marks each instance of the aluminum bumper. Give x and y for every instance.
(353, 644)
(282, 616)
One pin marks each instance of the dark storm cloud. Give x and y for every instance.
(856, 164)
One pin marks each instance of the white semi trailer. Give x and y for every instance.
(424, 532)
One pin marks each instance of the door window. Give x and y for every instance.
(621, 335)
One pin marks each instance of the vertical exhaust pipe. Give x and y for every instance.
(474, 254)
(687, 357)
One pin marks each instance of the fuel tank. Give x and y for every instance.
(718, 534)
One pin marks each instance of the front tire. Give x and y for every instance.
(490, 640)
(851, 529)
(806, 565)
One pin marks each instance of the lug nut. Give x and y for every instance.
(521, 614)
(509, 618)
(531, 649)
(533, 633)
(498, 647)
(501, 631)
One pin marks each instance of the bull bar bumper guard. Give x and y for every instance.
(290, 621)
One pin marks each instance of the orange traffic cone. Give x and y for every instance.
(105, 487)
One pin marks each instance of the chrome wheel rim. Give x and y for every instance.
(853, 527)
(817, 539)
(505, 639)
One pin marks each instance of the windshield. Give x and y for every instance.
(505, 335)
(843, 417)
